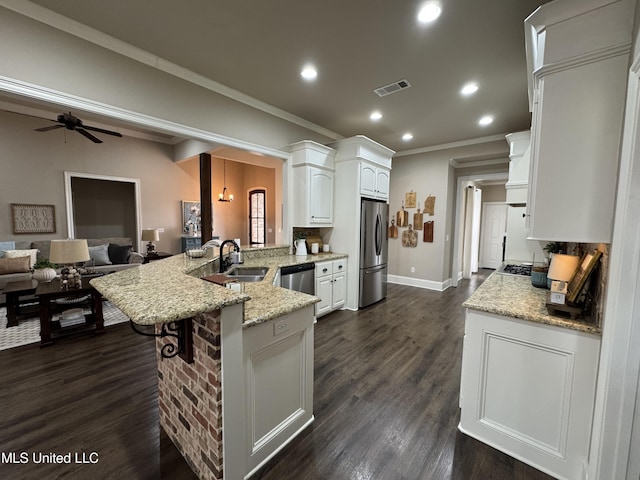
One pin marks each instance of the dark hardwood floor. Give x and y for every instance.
(386, 402)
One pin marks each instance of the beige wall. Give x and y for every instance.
(431, 173)
(33, 166)
(230, 220)
(493, 193)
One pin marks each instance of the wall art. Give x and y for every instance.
(26, 218)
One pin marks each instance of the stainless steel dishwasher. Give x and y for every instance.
(300, 278)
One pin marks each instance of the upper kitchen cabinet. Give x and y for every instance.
(374, 162)
(577, 56)
(374, 181)
(518, 182)
(312, 170)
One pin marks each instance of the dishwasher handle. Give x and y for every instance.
(301, 267)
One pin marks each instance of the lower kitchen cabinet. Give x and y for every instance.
(278, 365)
(527, 389)
(331, 285)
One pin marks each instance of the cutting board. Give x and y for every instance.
(410, 237)
(393, 230)
(418, 219)
(402, 219)
(314, 239)
(427, 232)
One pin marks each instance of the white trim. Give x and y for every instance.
(478, 163)
(612, 434)
(455, 264)
(77, 29)
(419, 282)
(446, 146)
(69, 199)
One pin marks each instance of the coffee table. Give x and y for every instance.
(15, 311)
(52, 299)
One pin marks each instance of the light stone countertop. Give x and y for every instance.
(170, 289)
(514, 296)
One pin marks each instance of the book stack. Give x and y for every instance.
(69, 318)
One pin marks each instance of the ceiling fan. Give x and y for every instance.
(70, 122)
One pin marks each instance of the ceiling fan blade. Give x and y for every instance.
(82, 131)
(46, 129)
(96, 129)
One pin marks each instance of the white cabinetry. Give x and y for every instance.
(278, 365)
(331, 285)
(353, 155)
(578, 60)
(374, 181)
(312, 171)
(528, 390)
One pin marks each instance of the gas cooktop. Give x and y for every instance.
(514, 269)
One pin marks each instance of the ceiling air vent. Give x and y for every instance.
(392, 88)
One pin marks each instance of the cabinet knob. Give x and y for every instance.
(524, 215)
(324, 270)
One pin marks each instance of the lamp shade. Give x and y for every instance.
(150, 235)
(563, 267)
(69, 251)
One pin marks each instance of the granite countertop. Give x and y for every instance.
(171, 289)
(514, 296)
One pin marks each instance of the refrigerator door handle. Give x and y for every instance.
(378, 235)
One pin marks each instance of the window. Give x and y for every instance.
(257, 216)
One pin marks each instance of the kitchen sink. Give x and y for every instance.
(248, 272)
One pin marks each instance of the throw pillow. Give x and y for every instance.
(32, 253)
(14, 265)
(6, 246)
(119, 254)
(100, 255)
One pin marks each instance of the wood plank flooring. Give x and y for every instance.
(386, 402)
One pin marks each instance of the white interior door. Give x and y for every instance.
(494, 226)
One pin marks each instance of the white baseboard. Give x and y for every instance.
(419, 282)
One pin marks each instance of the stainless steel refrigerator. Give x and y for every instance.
(374, 218)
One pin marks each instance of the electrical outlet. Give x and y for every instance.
(413, 269)
(160, 229)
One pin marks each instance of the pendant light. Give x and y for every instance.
(224, 197)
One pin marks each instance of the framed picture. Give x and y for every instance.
(33, 218)
(586, 266)
(191, 215)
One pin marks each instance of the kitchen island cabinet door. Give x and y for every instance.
(528, 390)
(278, 365)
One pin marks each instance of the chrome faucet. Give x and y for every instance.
(225, 263)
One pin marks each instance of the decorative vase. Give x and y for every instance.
(44, 274)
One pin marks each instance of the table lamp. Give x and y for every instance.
(150, 235)
(560, 274)
(68, 253)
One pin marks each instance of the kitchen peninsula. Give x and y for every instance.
(249, 389)
(528, 378)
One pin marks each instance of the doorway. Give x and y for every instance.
(492, 239)
(100, 206)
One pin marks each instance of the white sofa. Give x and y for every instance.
(121, 255)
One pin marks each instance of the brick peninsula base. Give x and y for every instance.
(190, 398)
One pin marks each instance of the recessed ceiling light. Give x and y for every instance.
(429, 12)
(309, 72)
(469, 89)
(375, 116)
(486, 120)
(407, 136)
